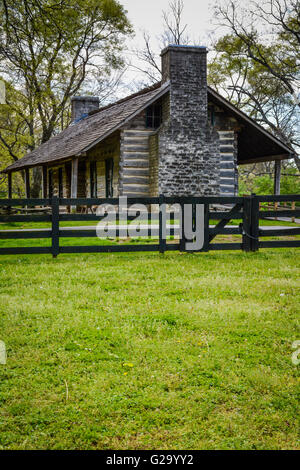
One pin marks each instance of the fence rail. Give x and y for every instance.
(246, 211)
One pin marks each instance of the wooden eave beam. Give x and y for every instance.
(265, 159)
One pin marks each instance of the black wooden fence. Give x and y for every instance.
(245, 210)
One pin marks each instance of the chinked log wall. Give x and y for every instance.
(228, 163)
(134, 158)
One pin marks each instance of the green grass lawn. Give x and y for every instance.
(37, 225)
(65, 241)
(148, 351)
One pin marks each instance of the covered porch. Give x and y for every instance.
(94, 175)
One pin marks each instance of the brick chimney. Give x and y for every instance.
(189, 156)
(82, 105)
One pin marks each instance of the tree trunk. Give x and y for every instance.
(277, 177)
(297, 161)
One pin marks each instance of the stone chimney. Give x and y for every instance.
(189, 148)
(82, 105)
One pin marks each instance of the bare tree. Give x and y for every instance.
(149, 61)
(174, 32)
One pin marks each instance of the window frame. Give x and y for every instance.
(154, 115)
(212, 111)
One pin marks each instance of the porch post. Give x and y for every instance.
(9, 181)
(27, 183)
(74, 181)
(277, 176)
(44, 182)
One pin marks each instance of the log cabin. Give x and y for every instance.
(178, 137)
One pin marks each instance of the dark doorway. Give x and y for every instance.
(60, 183)
(50, 183)
(93, 179)
(109, 171)
(68, 169)
(81, 189)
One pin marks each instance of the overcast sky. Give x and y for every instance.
(147, 16)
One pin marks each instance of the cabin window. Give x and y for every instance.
(109, 170)
(211, 114)
(60, 183)
(93, 179)
(154, 115)
(50, 183)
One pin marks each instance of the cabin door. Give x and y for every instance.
(81, 188)
(50, 184)
(60, 183)
(68, 169)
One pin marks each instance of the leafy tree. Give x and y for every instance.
(49, 50)
(14, 136)
(264, 184)
(269, 35)
(256, 64)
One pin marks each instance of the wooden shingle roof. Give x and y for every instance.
(80, 136)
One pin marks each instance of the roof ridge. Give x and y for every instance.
(123, 100)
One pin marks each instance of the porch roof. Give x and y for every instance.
(255, 143)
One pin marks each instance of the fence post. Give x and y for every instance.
(247, 223)
(275, 208)
(193, 217)
(162, 220)
(55, 226)
(206, 227)
(254, 223)
(293, 208)
(182, 240)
